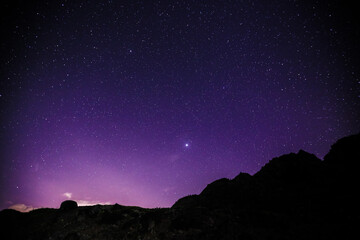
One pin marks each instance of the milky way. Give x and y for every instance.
(144, 102)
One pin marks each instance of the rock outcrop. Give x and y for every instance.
(68, 205)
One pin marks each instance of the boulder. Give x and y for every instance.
(68, 205)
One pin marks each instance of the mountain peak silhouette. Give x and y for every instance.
(290, 166)
(294, 196)
(345, 153)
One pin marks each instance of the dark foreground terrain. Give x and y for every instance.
(295, 196)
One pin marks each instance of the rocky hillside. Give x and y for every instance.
(295, 196)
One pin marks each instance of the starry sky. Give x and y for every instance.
(144, 102)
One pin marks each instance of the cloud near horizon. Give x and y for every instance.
(67, 195)
(90, 203)
(21, 207)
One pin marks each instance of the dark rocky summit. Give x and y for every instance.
(295, 196)
(68, 205)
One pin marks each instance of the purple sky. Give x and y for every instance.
(143, 103)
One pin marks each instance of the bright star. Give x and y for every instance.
(186, 145)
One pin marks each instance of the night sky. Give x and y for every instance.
(144, 102)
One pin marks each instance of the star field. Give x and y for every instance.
(143, 102)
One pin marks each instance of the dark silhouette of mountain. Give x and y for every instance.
(295, 196)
